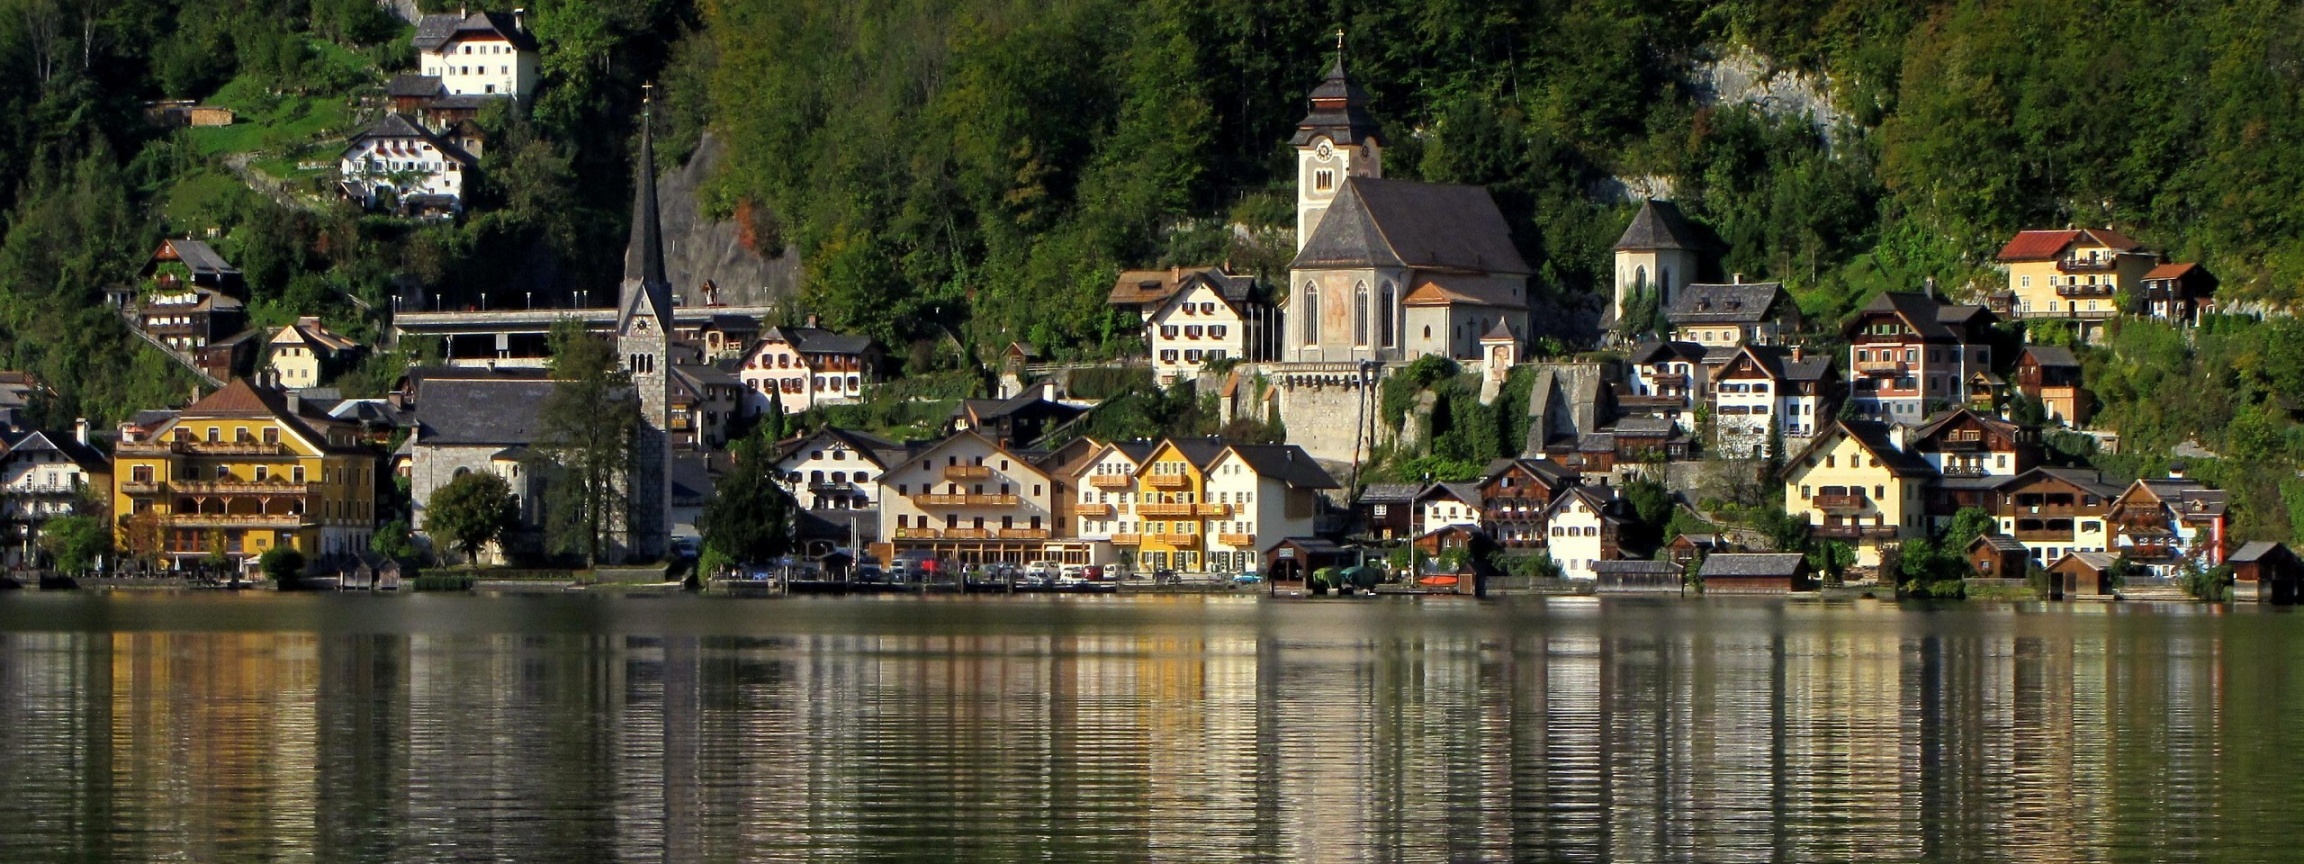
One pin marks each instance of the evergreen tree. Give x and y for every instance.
(749, 519)
(589, 425)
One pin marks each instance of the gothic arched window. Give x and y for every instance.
(1360, 313)
(1311, 314)
(1388, 310)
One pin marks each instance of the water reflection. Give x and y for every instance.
(590, 729)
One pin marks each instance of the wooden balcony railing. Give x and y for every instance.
(1840, 503)
(943, 500)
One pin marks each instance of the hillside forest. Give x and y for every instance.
(973, 172)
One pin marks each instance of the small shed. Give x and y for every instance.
(1756, 573)
(1998, 556)
(2084, 574)
(2266, 572)
(1292, 559)
(1633, 576)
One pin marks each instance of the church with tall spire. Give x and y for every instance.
(644, 343)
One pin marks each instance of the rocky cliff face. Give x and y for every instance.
(697, 250)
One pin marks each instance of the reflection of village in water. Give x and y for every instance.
(1181, 731)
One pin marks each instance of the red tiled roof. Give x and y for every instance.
(2172, 271)
(2044, 245)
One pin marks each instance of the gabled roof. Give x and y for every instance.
(2253, 551)
(494, 412)
(1752, 564)
(2173, 270)
(1735, 303)
(1401, 223)
(1390, 493)
(35, 441)
(2051, 356)
(1443, 291)
(1874, 437)
(1658, 225)
(1286, 463)
(2049, 245)
(239, 399)
(434, 31)
(1917, 311)
(409, 85)
(1141, 287)
(1998, 543)
(812, 340)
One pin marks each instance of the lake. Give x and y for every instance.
(337, 728)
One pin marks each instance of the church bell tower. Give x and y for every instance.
(1337, 140)
(644, 343)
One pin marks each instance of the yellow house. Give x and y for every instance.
(1171, 505)
(2075, 273)
(1857, 483)
(241, 471)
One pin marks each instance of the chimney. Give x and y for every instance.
(80, 430)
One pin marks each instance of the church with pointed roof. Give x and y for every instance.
(1390, 270)
(644, 343)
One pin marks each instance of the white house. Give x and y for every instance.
(399, 164)
(1193, 317)
(1581, 530)
(804, 367)
(1263, 494)
(836, 469)
(479, 54)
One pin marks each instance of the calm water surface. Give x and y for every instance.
(584, 728)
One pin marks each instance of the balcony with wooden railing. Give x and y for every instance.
(1218, 511)
(1111, 481)
(946, 500)
(1881, 367)
(1854, 532)
(1164, 510)
(1841, 503)
(1240, 540)
(1166, 481)
(967, 472)
(1127, 539)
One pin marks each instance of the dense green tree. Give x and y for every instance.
(749, 517)
(588, 426)
(470, 512)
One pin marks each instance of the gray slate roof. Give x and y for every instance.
(1737, 303)
(480, 411)
(1287, 463)
(1746, 564)
(1390, 493)
(1402, 223)
(2052, 356)
(1658, 225)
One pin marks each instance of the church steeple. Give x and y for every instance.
(1336, 141)
(649, 292)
